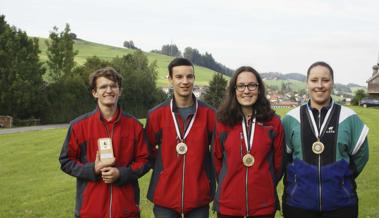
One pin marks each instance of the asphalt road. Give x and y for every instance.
(31, 128)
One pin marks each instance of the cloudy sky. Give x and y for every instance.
(270, 35)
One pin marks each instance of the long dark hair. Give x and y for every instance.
(230, 112)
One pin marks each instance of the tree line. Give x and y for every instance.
(192, 54)
(57, 90)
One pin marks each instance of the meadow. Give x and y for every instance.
(32, 185)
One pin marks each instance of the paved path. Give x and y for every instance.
(32, 128)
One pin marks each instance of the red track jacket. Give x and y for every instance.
(94, 198)
(177, 180)
(254, 194)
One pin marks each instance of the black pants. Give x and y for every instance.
(162, 212)
(229, 216)
(345, 212)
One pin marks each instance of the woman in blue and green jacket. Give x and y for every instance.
(327, 148)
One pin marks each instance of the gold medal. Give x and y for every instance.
(181, 148)
(318, 147)
(248, 160)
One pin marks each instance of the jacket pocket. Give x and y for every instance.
(338, 189)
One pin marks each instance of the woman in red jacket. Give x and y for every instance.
(248, 150)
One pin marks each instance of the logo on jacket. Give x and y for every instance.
(330, 130)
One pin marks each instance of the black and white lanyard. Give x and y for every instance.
(316, 132)
(249, 138)
(188, 129)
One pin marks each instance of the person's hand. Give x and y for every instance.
(100, 165)
(110, 174)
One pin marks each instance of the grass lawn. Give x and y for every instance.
(32, 185)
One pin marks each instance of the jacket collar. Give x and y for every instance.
(116, 117)
(326, 108)
(175, 107)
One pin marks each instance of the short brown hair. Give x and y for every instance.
(179, 62)
(107, 72)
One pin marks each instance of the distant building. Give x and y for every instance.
(373, 82)
(167, 90)
(284, 104)
(197, 90)
(6, 122)
(347, 101)
(273, 98)
(277, 101)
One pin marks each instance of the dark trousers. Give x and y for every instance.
(163, 212)
(231, 216)
(345, 212)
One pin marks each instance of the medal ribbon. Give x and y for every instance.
(248, 140)
(316, 132)
(188, 129)
(105, 123)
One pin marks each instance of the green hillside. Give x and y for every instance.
(88, 49)
(294, 84)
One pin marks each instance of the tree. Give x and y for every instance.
(22, 86)
(139, 86)
(302, 92)
(216, 90)
(60, 53)
(359, 94)
(171, 50)
(73, 36)
(193, 55)
(66, 94)
(188, 53)
(285, 87)
(130, 44)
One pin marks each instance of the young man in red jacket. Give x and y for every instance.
(106, 152)
(179, 132)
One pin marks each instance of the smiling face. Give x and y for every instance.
(182, 81)
(247, 90)
(320, 85)
(106, 92)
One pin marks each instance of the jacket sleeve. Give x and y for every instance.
(70, 158)
(139, 166)
(153, 138)
(286, 124)
(359, 147)
(288, 147)
(217, 150)
(279, 150)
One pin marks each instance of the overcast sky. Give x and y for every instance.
(270, 35)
